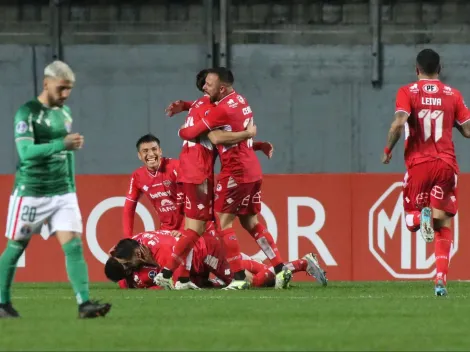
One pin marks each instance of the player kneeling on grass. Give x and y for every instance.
(44, 191)
(427, 110)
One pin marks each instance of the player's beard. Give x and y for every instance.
(53, 102)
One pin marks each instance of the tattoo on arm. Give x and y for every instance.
(396, 129)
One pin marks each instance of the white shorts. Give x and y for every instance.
(27, 215)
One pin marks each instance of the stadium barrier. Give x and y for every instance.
(354, 222)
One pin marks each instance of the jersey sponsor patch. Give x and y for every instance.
(431, 88)
(21, 127)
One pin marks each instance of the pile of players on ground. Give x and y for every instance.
(196, 246)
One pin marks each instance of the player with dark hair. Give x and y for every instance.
(427, 110)
(134, 263)
(239, 185)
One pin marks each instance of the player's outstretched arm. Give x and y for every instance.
(177, 107)
(265, 147)
(394, 134)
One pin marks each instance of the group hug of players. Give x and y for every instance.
(196, 246)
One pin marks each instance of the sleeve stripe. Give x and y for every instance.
(401, 110)
(205, 123)
(461, 123)
(132, 200)
(24, 138)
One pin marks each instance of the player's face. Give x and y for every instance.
(213, 87)
(150, 154)
(58, 91)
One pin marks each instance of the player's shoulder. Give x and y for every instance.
(33, 107)
(204, 100)
(409, 88)
(139, 172)
(67, 111)
(170, 163)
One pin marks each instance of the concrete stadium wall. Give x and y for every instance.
(315, 104)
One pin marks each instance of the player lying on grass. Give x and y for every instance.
(134, 263)
(238, 191)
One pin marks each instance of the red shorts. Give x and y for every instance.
(212, 259)
(240, 199)
(198, 200)
(432, 183)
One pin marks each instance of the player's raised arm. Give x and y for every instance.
(178, 106)
(265, 147)
(213, 120)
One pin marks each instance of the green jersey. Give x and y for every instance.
(45, 168)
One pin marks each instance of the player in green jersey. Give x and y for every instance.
(44, 192)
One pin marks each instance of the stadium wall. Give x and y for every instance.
(354, 222)
(316, 104)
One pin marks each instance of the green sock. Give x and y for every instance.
(8, 262)
(77, 269)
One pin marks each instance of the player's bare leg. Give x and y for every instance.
(426, 225)
(443, 242)
(232, 248)
(77, 271)
(266, 242)
(189, 236)
(8, 262)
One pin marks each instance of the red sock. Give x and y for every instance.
(443, 242)
(266, 242)
(297, 265)
(232, 248)
(184, 245)
(413, 219)
(263, 278)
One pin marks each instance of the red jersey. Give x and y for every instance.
(433, 108)
(198, 155)
(160, 188)
(238, 161)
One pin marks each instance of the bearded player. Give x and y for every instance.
(196, 176)
(428, 110)
(238, 191)
(44, 191)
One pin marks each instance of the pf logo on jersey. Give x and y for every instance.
(402, 253)
(430, 88)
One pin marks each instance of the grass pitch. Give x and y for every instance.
(344, 316)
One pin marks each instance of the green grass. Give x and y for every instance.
(343, 316)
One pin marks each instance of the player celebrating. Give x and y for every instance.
(157, 180)
(196, 177)
(239, 186)
(428, 110)
(134, 263)
(44, 190)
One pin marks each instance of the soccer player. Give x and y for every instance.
(238, 191)
(157, 180)
(427, 110)
(44, 191)
(197, 178)
(134, 263)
